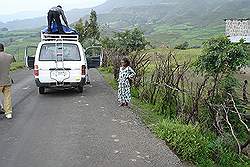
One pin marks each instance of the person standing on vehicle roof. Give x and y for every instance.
(5, 80)
(54, 16)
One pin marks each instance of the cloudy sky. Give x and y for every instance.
(9, 7)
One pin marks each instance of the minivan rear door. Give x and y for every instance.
(94, 56)
(30, 52)
(59, 62)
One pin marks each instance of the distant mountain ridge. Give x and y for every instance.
(160, 19)
(169, 10)
(18, 15)
(74, 14)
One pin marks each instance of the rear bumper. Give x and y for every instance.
(64, 85)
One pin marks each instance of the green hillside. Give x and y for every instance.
(175, 21)
(16, 41)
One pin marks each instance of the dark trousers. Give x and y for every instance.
(55, 16)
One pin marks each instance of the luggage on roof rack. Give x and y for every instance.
(54, 30)
(59, 37)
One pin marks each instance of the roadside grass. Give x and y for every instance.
(193, 144)
(109, 78)
(17, 65)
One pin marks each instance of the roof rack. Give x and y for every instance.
(59, 37)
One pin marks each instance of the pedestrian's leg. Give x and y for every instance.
(59, 23)
(7, 101)
(87, 79)
(50, 19)
(1, 106)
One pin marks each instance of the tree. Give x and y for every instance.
(132, 40)
(220, 56)
(128, 41)
(89, 33)
(80, 27)
(93, 27)
(219, 62)
(122, 44)
(182, 46)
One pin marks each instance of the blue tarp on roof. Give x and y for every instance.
(54, 29)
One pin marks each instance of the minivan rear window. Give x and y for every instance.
(59, 51)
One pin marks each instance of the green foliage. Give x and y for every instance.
(193, 144)
(109, 43)
(80, 28)
(131, 40)
(135, 92)
(222, 56)
(220, 60)
(16, 65)
(89, 31)
(127, 41)
(229, 84)
(182, 46)
(123, 44)
(93, 27)
(185, 139)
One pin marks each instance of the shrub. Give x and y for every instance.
(186, 140)
(193, 144)
(182, 46)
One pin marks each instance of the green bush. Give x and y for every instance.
(182, 46)
(202, 148)
(16, 65)
(185, 139)
(106, 70)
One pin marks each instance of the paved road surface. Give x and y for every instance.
(68, 129)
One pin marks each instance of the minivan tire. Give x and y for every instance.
(41, 90)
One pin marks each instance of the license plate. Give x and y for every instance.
(59, 76)
(60, 73)
(57, 73)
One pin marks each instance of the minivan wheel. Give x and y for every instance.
(41, 90)
(80, 89)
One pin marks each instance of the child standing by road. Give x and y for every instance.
(125, 75)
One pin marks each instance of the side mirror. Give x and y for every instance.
(94, 60)
(30, 60)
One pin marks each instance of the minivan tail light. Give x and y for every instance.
(36, 71)
(83, 70)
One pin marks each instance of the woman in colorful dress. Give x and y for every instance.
(125, 75)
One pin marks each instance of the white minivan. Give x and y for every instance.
(60, 62)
